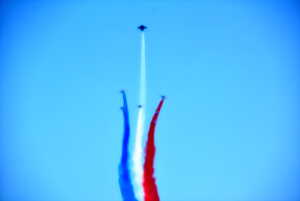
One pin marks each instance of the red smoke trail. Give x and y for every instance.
(150, 188)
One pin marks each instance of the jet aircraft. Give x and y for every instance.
(142, 27)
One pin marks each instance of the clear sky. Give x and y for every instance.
(229, 128)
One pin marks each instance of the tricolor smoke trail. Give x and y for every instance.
(124, 169)
(138, 151)
(150, 188)
(143, 186)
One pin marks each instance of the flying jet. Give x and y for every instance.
(139, 106)
(142, 27)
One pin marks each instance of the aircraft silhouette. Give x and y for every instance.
(142, 27)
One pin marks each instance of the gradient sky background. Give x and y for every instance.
(228, 130)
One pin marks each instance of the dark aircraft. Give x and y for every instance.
(142, 27)
(139, 106)
(163, 97)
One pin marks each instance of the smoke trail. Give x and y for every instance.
(150, 188)
(138, 152)
(124, 172)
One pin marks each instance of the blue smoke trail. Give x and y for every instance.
(126, 186)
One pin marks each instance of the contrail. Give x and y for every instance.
(138, 146)
(126, 186)
(150, 188)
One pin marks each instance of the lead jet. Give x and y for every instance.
(142, 27)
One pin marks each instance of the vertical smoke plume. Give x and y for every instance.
(126, 186)
(138, 146)
(150, 188)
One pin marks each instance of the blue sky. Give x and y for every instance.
(229, 127)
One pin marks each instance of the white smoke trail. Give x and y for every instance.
(138, 146)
